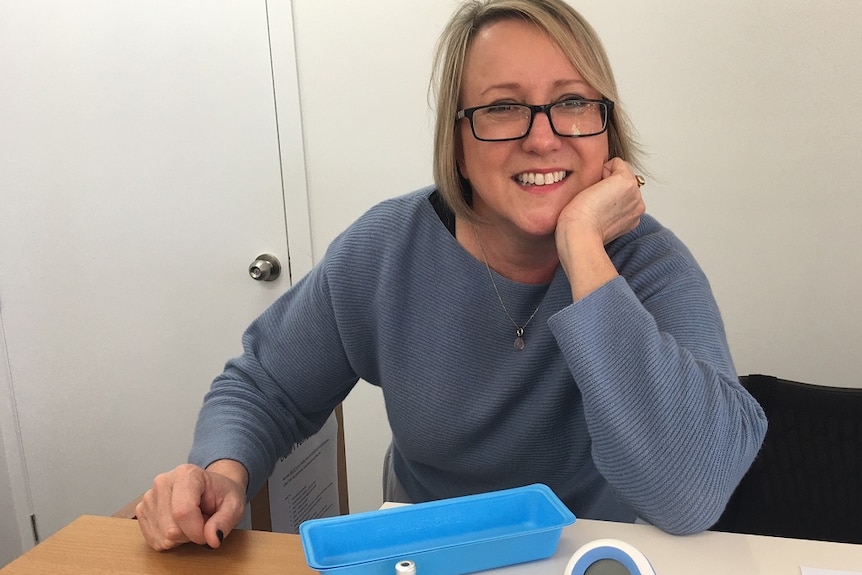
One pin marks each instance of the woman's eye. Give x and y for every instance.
(575, 106)
(504, 112)
(502, 108)
(573, 103)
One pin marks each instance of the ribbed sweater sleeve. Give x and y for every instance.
(672, 429)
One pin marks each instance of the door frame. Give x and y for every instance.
(285, 78)
(15, 467)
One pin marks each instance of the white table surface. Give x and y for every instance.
(709, 553)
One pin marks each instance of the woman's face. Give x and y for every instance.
(513, 61)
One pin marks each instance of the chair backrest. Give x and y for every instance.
(806, 482)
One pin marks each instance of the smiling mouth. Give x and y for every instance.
(538, 179)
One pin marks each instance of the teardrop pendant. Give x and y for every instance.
(519, 339)
(519, 343)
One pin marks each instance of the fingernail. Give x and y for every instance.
(220, 535)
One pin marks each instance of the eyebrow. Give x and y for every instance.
(516, 86)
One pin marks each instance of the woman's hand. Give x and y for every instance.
(596, 216)
(608, 209)
(191, 504)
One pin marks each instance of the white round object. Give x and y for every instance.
(608, 557)
(405, 568)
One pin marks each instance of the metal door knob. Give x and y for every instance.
(264, 268)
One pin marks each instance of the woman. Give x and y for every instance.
(525, 320)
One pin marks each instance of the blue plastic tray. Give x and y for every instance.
(446, 537)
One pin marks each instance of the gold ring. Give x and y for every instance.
(641, 180)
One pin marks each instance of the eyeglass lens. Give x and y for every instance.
(511, 121)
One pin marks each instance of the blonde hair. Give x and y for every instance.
(561, 23)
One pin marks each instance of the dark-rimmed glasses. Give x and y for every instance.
(575, 118)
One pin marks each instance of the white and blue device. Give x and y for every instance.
(608, 557)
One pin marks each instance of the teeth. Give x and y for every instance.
(534, 179)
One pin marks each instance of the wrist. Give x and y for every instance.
(232, 469)
(586, 263)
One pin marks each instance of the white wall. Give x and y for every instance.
(749, 111)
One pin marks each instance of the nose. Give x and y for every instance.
(541, 137)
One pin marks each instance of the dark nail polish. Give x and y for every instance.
(220, 535)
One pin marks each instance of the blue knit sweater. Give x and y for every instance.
(625, 403)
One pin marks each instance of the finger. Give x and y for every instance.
(616, 165)
(224, 519)
(156, 525)
(617, 174)
(620, 166)
(185, 507)
(142, 515)
(217, 528)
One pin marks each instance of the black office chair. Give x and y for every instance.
(806, 482)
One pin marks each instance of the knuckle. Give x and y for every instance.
(182, 511)
(173, 535)
(147, 501)
(164, 545)
(161, 481)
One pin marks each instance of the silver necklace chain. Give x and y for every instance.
(519, 342)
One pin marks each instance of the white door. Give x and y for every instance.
(140, 174)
